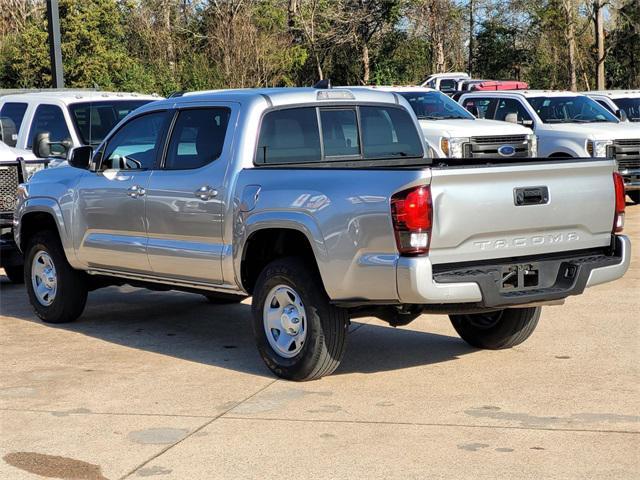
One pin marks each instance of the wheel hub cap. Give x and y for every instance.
(284, 320)
(44, 278)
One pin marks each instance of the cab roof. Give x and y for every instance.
(615, 93)
(283, 96)
(525, 93)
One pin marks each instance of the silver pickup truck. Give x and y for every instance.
(322, 205)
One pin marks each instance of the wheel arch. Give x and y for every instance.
(41, 214)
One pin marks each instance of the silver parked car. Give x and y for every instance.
(322, 205)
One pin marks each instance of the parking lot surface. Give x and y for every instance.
(166, 386)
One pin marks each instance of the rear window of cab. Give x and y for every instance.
(322, 134)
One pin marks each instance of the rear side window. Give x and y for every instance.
(49, 118)
(507, 106)
(197, 138)
(289, 136)
(12, 114)
(484, 107)
(365, 132)
(388, 132)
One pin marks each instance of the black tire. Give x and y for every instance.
(223, 298)
(326, 325)
(634, 195)
(15, 273)
(71, 294)
(497, 330)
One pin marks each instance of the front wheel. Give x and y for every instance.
(635, 196)
(57, 292)
(497, 330)
(300, 334)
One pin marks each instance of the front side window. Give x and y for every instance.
(135, 145)
(605, 105)
(571, 109)
(49, 119)
(197, 138)
(631, 106)
(340, 132)
(289, 136)
(435, 106)
(507, 106)
(389, 133)
(11, 115)
(94, 120)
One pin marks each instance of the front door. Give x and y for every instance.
(110, 215)
(185, 197)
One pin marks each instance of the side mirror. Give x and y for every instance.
(511, 117)
(42, 145)
(622, 115)
(80, 157)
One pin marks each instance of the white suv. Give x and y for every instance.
(568, 125)
(51, 122)
(452, 132)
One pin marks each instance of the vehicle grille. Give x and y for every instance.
(501, 139)
(487, 147)
(9, 180)
(627, 153)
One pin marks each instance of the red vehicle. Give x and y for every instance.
(500, 85)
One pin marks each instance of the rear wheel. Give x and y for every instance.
(57, 292)
(635, 196)
(15, 274)
(497, 330)
(300, 334)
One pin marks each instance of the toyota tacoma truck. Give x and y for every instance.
(322, 205)
(452, 132)
(568, 125)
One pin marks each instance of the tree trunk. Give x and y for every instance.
(571, 42)
(366, 67)
(471, 21)
(598, 15)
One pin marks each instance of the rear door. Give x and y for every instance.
(185, 199)
(490, 212)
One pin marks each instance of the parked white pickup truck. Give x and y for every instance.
(568, 125)
(446, 82)
(452, 132)
(624, 104)
(51, 122)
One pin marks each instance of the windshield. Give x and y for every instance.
(631, 106)
(94, 120)
(571, 109)
(435, 106)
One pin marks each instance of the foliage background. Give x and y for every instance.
(163, 46)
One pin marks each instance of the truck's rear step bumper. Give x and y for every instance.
(517, 281)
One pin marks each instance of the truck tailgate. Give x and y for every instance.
(513, 210)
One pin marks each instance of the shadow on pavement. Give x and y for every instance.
(186, 326)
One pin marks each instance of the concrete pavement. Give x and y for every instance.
(166, 386)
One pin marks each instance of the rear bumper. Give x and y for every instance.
(483, 283)
(631, 178)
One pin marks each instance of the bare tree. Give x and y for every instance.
(598, 19)
(570, 36)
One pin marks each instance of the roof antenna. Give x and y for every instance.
(323, 84)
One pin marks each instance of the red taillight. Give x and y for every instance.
(412, 214)
(618, 219)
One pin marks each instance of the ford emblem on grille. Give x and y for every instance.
(507, 150)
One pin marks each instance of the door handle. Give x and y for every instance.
(206, 193)
(136, 191)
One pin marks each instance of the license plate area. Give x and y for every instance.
(519, 277)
